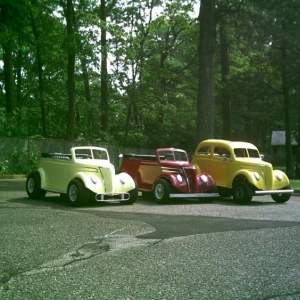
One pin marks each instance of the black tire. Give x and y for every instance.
(33, 186)
(133, 196)
(78, 194)
(282, 198)
(161, 191)
(242, 192)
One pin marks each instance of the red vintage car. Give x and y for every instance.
(168, 174)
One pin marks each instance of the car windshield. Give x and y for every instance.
(244, 152)
(91, 153)
(173, 155)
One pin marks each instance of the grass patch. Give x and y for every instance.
(295, 184)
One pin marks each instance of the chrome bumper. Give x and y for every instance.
(269, 192)
(112, 197)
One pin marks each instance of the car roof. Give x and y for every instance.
(230, 144)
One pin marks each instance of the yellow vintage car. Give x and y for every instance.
(239, 171)
(83, 175)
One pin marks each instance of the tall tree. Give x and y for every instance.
(226, 97)
(7, 13)
(207, 48)
(37, 36)
(71, 76)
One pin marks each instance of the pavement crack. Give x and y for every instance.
(100, 245)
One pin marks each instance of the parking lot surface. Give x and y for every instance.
(182, 250)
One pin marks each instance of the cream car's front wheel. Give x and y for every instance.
(78, 194)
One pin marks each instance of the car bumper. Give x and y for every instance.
(112, 197)
(269, 192)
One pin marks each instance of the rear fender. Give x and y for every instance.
(44, 181)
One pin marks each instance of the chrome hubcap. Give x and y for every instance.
(73, 193)
(159, 191)
(30, 185)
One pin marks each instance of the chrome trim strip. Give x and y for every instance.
(187, 179)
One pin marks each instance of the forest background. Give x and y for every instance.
(151, 73)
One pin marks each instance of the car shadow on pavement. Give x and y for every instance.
(55, 200)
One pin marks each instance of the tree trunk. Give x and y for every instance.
(10, 98)
(40, 76)
(104, 80)
(71, 78)
(207, 46)
(226, 100)
(287, 108)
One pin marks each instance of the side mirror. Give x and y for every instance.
(262, 157)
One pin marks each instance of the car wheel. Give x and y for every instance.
(133, 196)
(78, 194)
(33, 186)
(161, 191)
(242, 192)
(282, 198)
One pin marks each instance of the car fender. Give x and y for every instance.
(124, 182)
(91, 181)
(280, 180)
(169, 177)
(242, 174)
(44, 182)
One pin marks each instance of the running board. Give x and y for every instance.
(196, 195)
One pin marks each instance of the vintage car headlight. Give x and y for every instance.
(256, 175)
(179, 178)
(279, 176)
(204, 178)
(94, 179)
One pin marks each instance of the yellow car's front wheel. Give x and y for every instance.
(282, 198)
(242, 192)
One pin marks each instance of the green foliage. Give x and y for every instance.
(153, 70)
(4, 167)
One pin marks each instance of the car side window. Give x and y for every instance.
(204, 150)
(240, 152)
(221, 152)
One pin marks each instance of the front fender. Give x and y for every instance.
(242, 174)
(277, 180)
(124, 182)
(91, 181)
(280, 180)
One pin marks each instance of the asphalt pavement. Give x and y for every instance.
(182, 250)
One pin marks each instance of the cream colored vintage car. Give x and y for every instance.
(83, 175)
(239, 171)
